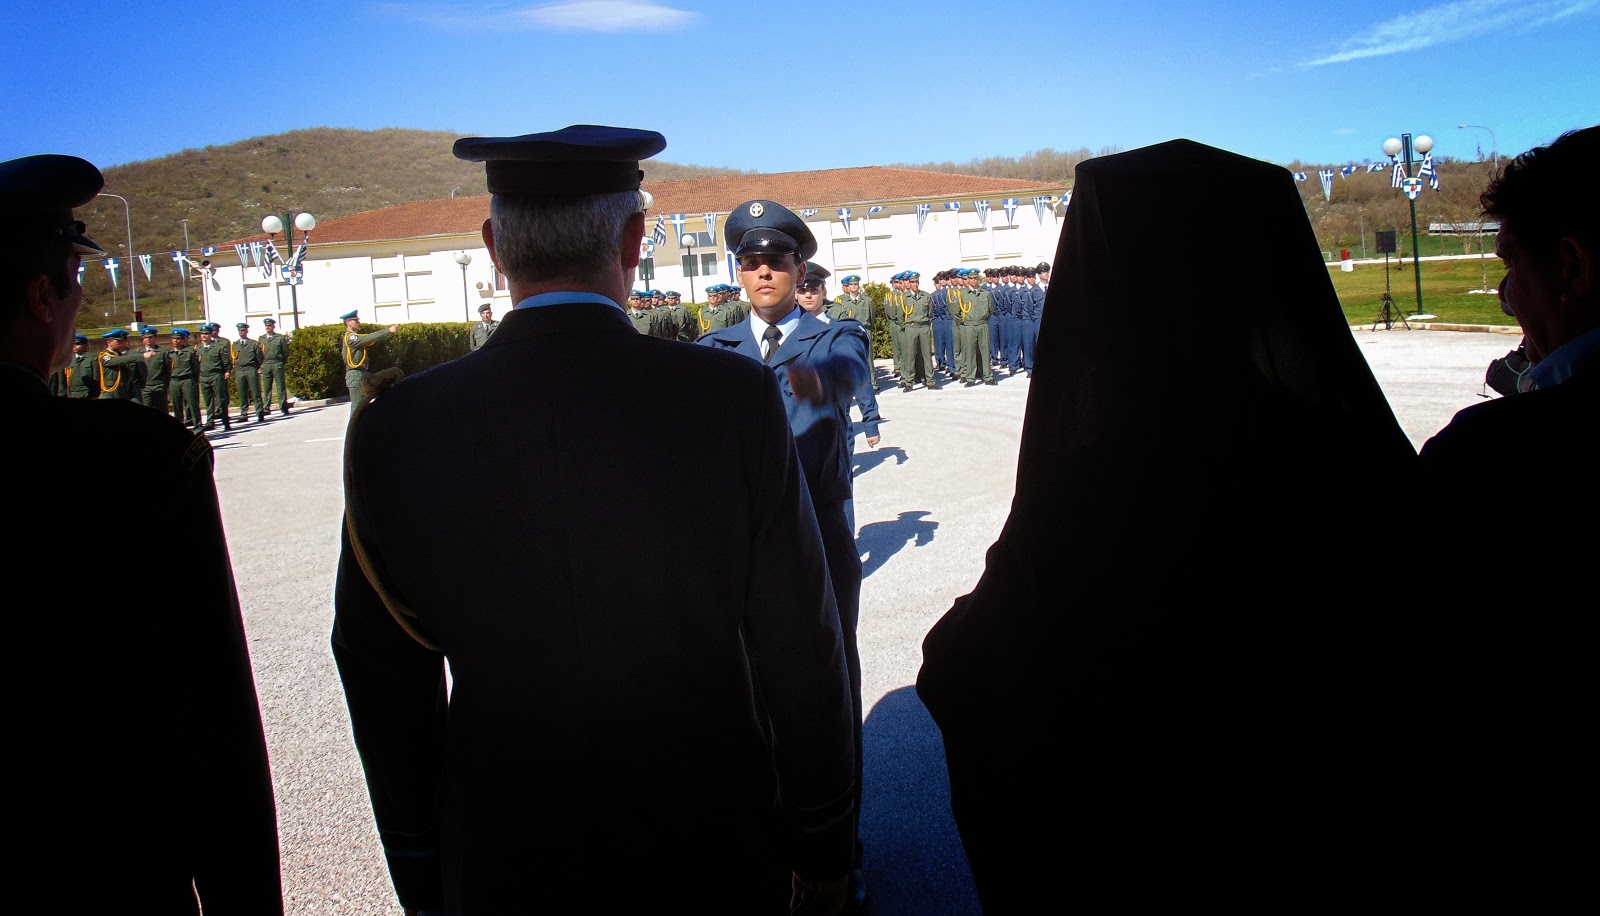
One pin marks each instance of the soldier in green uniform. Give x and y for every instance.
(157, 371)
(115, 368)
(917, 346)
(682, 319)
(274, 353)
(741, 308)
(183, 388)
(970, 307)
(357, 351)
(479, 335)
(894, 314)
(216, 367)
(80, 375)
(643, 319)
(852, 303)
(246, 356)
(716, 314)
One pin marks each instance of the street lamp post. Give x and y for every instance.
(464, 259)
(1402, 147)
(1494, 145)
(133, 280)
(687, 242)
(291, 271)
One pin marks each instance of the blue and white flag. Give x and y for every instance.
(922, 214)
(273, 256)
(110, 264)
(844, 217)
(711, 224)
(258, 253)
(733, 269)
(1347, 171)
(1326, 177)
(1427, 171)
(874, 211)
(953, 205)
(178, 258)
(1299, 176)
(660, 231)
(1010, 203)
(144, 261)
(1066, 199)
(982, 206)
(299, 254)
(1377, 167)
(678, 219)
(81, 268)
(1399, 174)
(807, 214)
(207, 251)
(243, 251)
(1040, 204)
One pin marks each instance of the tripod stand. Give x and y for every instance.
(1388, 313)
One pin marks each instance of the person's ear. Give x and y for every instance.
(488, 242)
(40, 298)
(632, 236)
(1576, 263)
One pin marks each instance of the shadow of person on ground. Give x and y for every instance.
(914, 863)
(882, 540)
(866, 461)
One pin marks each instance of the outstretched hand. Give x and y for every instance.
(805, 383)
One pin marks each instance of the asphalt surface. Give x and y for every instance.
(922, 543)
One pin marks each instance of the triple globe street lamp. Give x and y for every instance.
(291, 271)
(1402, 148)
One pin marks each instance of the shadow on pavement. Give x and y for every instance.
(882, 540)
(914, 863)
(866, 461)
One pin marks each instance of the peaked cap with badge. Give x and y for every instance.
(39, 194)
(767, 227)
(580, 159)
(815, 274)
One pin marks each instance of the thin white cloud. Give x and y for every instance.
(566, 16)
(1449, 23)
(1344, 131)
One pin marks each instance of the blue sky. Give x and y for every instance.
(813, 85)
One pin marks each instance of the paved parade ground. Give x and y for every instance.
(922, 542)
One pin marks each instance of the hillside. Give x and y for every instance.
(224, 191)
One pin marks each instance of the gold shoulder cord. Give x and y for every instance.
(404, 616)
(349, 356)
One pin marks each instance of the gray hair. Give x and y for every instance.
(539, 238)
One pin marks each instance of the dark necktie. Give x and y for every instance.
(772, 336)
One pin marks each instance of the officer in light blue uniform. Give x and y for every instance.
(820, 368)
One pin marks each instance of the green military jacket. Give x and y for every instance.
(157, 368)
(83, 377)
(118, 374)
(857, 307)
(893, 307)
(479, 335)
(214, 358)
(185, 363)
(968, 306)
(643, 320)
(355, 350)
(274, 348)
(715, 318)
(917, 308)
(246, 353)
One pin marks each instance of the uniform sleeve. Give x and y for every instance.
(395, 690)
(797, 653)
(219, 754)
(844, 367)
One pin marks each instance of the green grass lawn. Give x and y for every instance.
(1445, 286)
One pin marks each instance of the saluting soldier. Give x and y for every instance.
(479, 335)
(80, 375)
(157, 371)
(116, 368)
(183, 390)
(216, 368)
(246, 355)
(274, 355)
(357, 352)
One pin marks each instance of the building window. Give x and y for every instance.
(1007, 242)
(419, 286)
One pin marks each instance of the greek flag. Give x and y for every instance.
(243, 251)
(208, 251)
(144, 261)
(711, 224)
(1427, 171)
(874, 211)
(807, 214)
(299, 255)
(1040, 204)
(922, 214)
(1010, 203)
(733, 271)
(1326, 177)
(178, 259)
(1399, 173)
(1377, 167)
(678, 220)
(953, 205)
(1066, 199)
(1347, 171)
(982, 206)
(844, 217)
(1299, 176)
(110, 264)
(660, 231)
(257, 253)
(273, 256)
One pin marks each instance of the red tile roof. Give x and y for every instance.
(822, 189)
